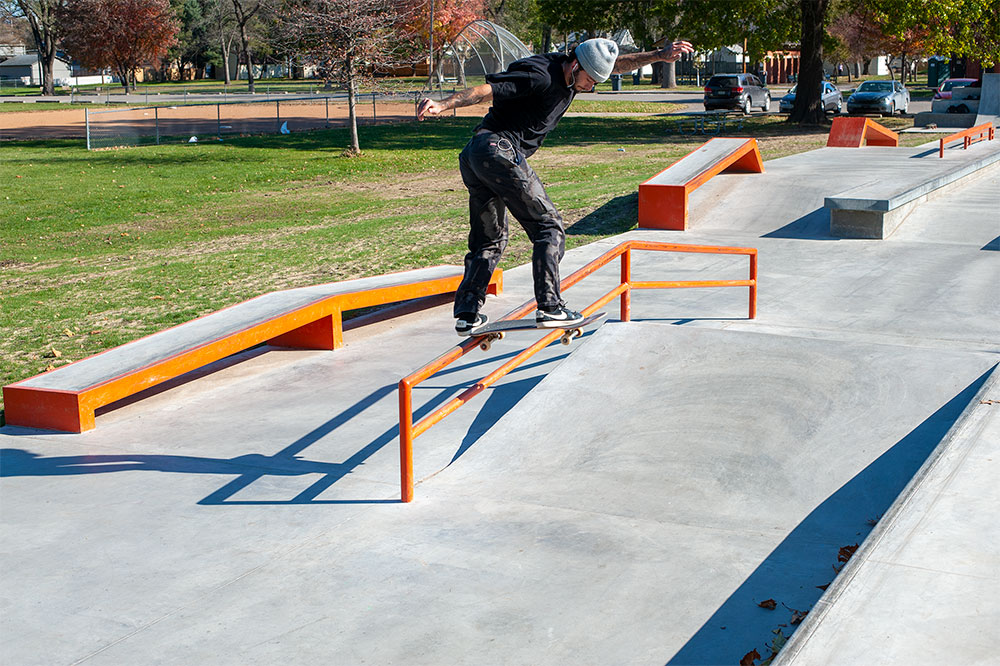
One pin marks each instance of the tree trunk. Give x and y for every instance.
(249, 59)
(225, 49)
(546, 39)
(48, 76)
(668, 75)
(242, 18)
(355, 148)
(808, 109)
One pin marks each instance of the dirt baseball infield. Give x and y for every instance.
(203, 120)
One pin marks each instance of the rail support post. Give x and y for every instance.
(626, 302)
(405, 441)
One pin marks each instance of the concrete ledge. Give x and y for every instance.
(306, 318)
(663, 198)
(958, 120)
(875, 210)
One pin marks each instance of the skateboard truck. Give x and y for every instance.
(490, 333)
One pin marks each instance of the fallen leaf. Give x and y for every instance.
(157, 298)
(779, 642)
(68, 333)
(53, 353)
(769, 604)
(798, 616)
(823, 587)
(846, 552)
(749, 658)
(49, 368)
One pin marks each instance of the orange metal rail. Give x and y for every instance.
(408, 430)
(968, 136)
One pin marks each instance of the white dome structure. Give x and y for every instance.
(481, 48)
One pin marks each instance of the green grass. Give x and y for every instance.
(99, 248)
(622, 106)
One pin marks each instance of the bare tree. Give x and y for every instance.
(42, 16)
(224, 15)
(349, 40)
(245, 11)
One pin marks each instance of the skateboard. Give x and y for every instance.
(490, 333)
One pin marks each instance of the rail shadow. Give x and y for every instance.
(289, 461)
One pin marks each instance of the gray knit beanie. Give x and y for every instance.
(597, 57)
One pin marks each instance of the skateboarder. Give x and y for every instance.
(528, 100)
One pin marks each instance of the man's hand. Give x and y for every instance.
(673, 51)
(429, 107)
(467, 97)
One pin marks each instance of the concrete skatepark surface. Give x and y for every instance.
(628, 499)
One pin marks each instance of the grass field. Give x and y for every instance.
(99, 248)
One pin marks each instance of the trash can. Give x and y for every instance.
(616, 82)
(937, 72)
(637, 77)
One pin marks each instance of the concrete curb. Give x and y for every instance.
(954, 437)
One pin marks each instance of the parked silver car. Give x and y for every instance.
(832, 99)
(882, 97)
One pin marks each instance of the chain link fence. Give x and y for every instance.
(150, 125)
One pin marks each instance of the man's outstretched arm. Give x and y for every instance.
(467, 97)
(628, 62)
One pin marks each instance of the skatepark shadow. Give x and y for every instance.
(615, 217)
(927, 153)
(251, 468)
(807, 558)
(500, 400)
(993, 245)
(812, 226)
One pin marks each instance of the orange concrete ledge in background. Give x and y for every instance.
(663, 199)
(853, 132)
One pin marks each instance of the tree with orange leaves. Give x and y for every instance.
(450, 16)
(122, 35)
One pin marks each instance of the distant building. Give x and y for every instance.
(8, 50)
(27, 68)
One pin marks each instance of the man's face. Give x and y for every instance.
(584, 81)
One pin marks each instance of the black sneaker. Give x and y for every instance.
(469, 321)
(557, 318)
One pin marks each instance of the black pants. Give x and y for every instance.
(499, 179)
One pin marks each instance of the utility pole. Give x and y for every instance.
(430, 54)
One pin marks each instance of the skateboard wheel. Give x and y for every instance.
(566, 339)
(485, 345)
(500, 335)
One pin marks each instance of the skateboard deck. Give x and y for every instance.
(496, 330)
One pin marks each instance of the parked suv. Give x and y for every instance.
(736, 91)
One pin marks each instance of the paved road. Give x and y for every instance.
(692, 100)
